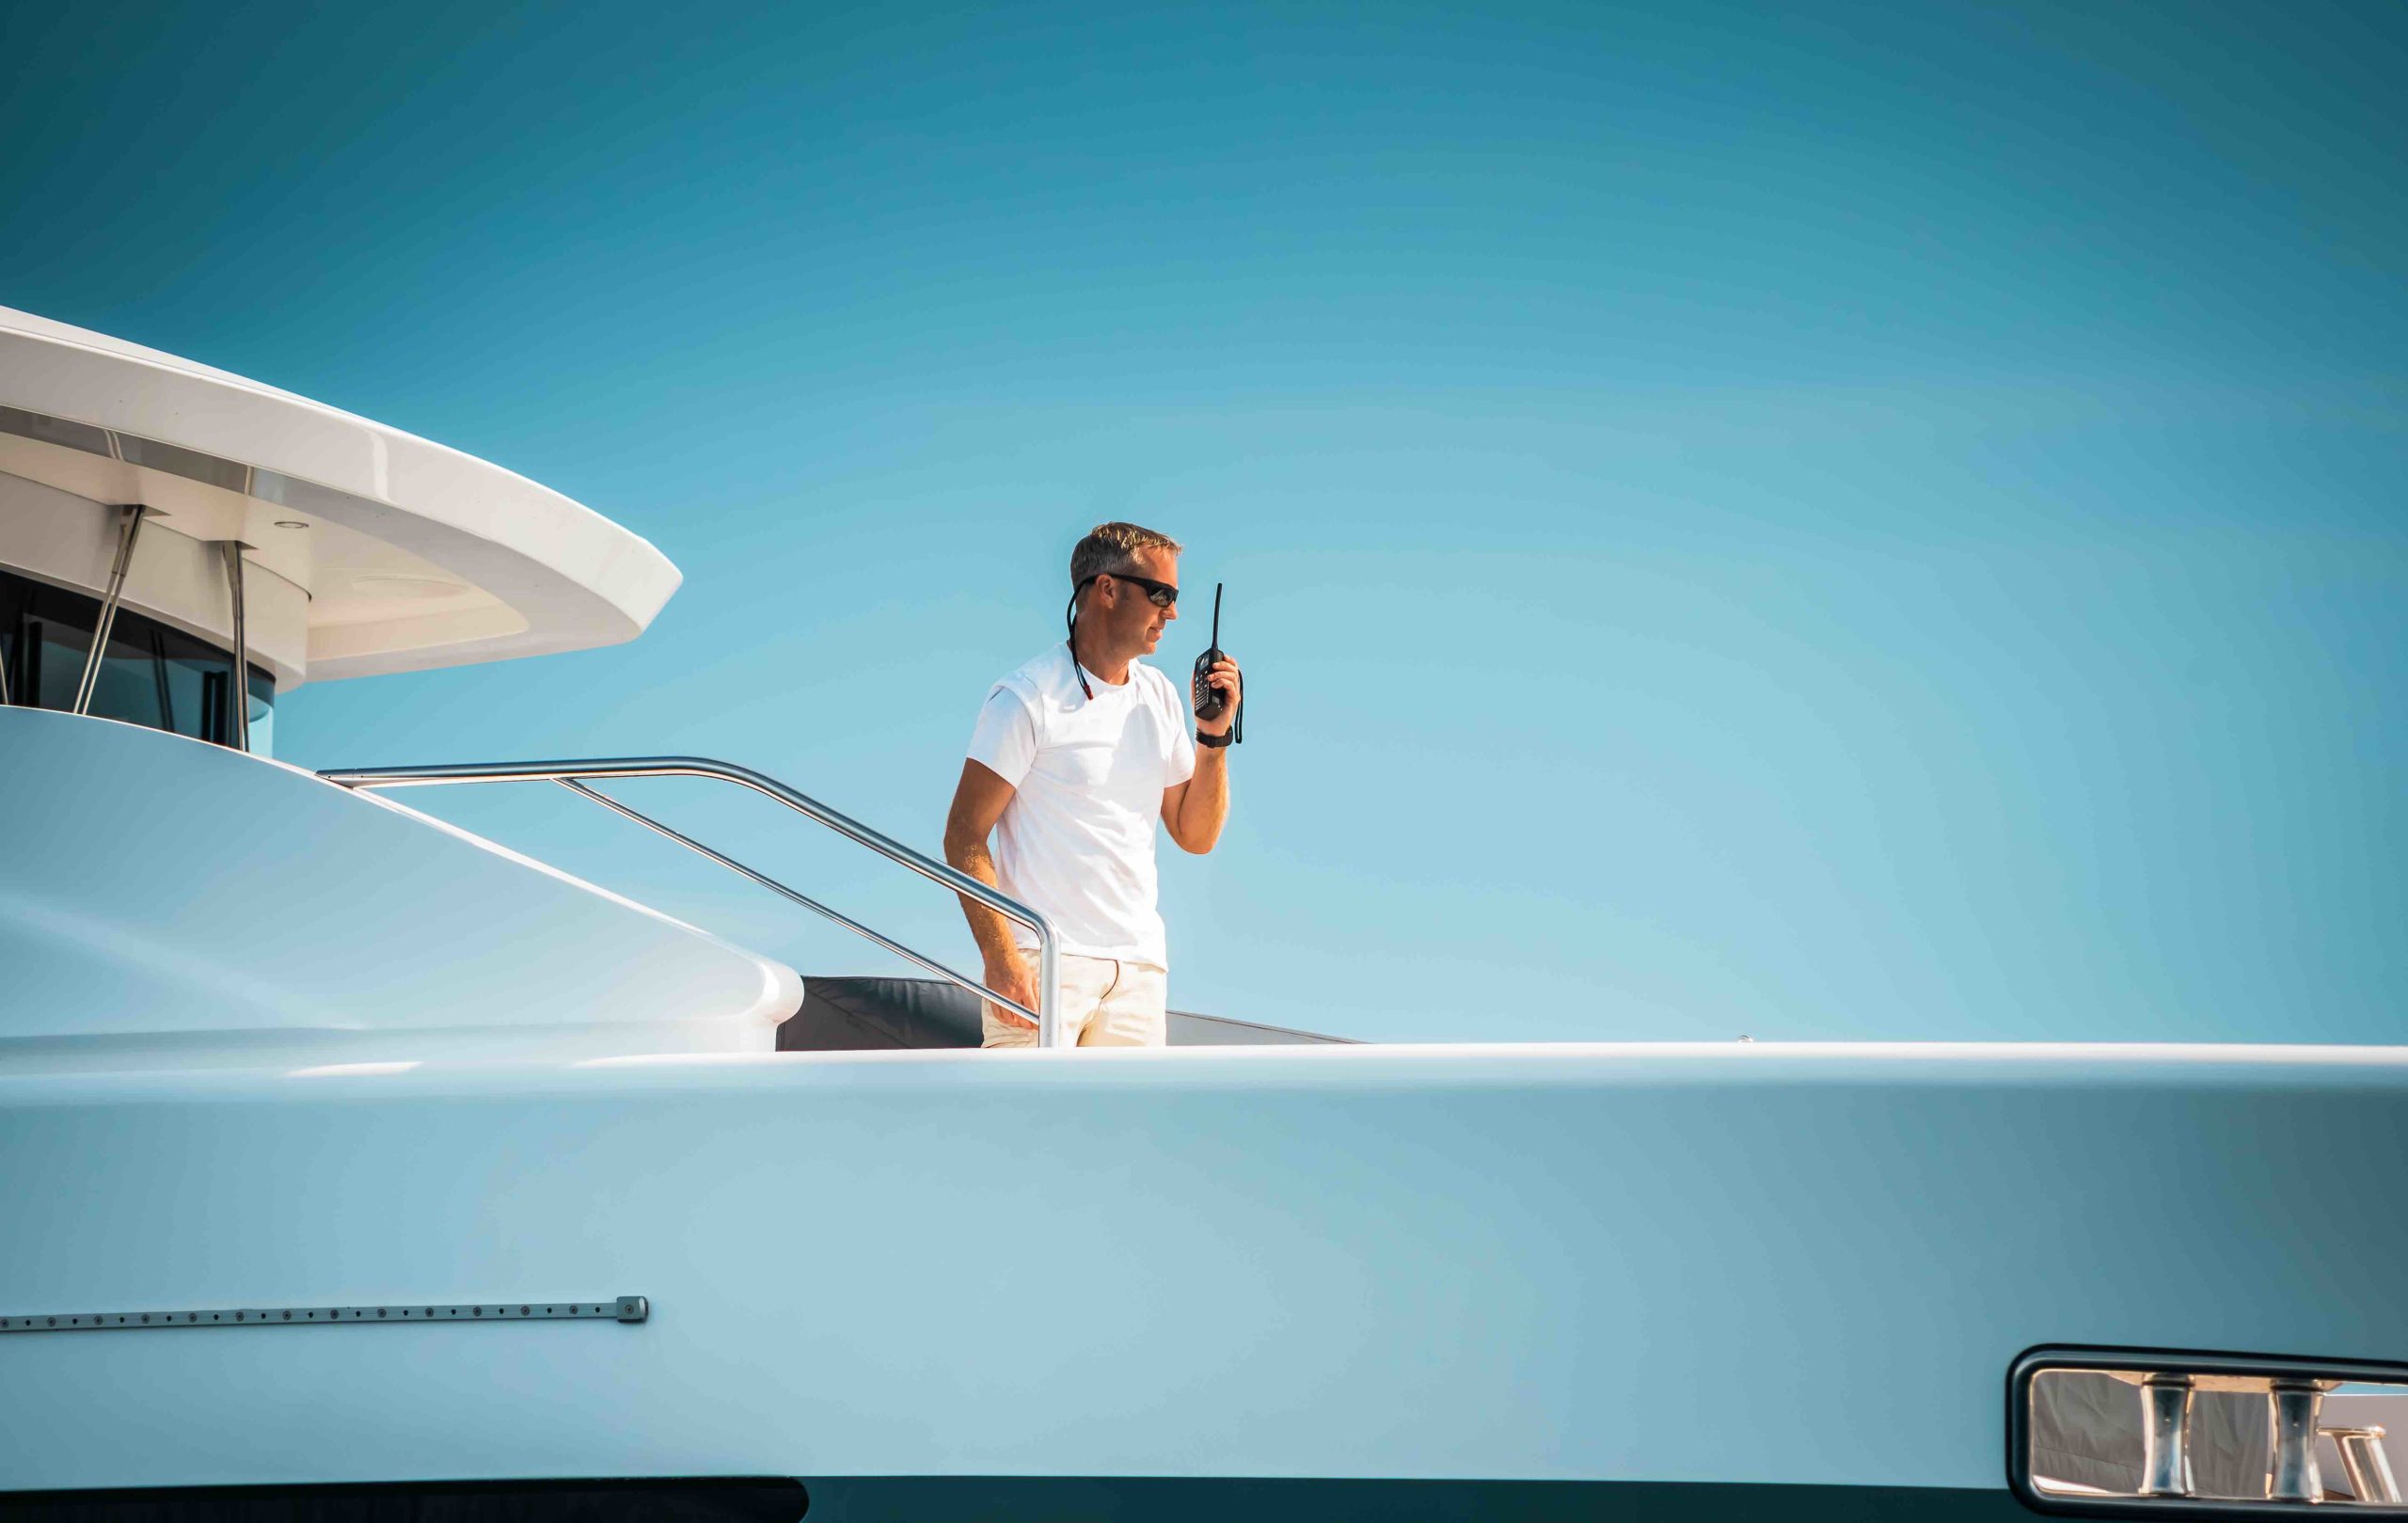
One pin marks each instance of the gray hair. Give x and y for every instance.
(1112, 547)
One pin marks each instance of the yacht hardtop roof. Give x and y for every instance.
(413, 555)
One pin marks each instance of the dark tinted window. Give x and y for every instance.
(150, 674)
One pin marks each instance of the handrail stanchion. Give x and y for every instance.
(571, 773)
(1049, 990)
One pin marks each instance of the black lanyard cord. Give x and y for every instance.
(1070, 622)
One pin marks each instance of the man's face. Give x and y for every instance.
(1136, 624)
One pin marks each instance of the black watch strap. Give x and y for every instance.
(1215, 741)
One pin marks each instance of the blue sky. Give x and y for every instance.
(1816, 521)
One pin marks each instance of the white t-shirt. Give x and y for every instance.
(1077, 840)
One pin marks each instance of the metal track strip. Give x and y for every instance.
(617, 1309)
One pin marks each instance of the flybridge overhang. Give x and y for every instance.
(365, 549)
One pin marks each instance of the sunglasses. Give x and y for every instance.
(1160, 593)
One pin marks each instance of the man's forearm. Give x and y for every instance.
(1204, 808)
(990, 930)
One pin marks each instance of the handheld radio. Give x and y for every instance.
(1207, 698)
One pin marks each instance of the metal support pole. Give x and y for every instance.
(166, 695)
(238, 691)
(127, 530)
(1048, 992)
(2165, 1414)
(2291, 1407)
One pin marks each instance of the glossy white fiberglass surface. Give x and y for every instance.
(1767, 1263)
(166, 902)
(550, 574)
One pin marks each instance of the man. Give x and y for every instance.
(1074, 757)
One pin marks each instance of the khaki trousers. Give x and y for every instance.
(1106, 1002)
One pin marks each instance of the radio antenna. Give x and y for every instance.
(1216, 615)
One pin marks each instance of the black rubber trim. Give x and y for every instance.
(1156, 1500)
(703, 1500)
(1023, 1500)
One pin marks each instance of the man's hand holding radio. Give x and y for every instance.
(1222, 674)
(1194, 810)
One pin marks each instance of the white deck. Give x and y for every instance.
(167, 903)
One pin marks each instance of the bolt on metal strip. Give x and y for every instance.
(615, 1308)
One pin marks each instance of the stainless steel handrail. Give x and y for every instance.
(573, 775)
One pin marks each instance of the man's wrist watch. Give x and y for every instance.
(1215, 742)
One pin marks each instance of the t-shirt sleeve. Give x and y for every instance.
(1005, 741)
(1181, 764)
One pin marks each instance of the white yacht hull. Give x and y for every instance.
(1670, 1272)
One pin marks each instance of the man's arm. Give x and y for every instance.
(978, 802)
(1195, 811)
